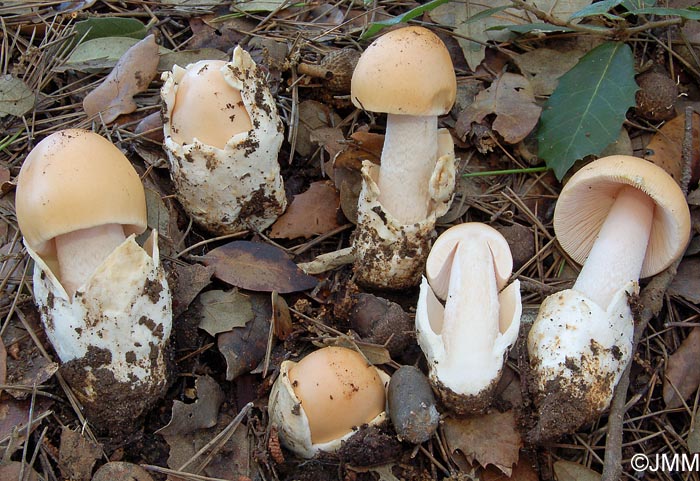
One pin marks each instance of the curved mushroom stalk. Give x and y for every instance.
(623, 218)
(578, 351)
(111, 336)
(388, 253)
(234, 183)
(467, 339)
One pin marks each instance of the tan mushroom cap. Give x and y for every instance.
(338, 390)
(76, 179)
(587, 197)
(406, 71)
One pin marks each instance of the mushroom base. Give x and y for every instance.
(111, 336)
(578, 352)
(391, 255)
(240, 186)
(114, 407)
(465, 404)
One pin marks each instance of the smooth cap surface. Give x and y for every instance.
(406, 71)
(76, 179)
(207, 107)
(587, 197)
(338, 390)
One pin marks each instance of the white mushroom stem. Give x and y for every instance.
(408, 161)
(618, 253)
(471, 316)
(81, 252)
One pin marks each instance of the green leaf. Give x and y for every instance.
(110, 27)
(635, 4)
(585, 112)
(376, 27)
(690, 13)
(598, 8)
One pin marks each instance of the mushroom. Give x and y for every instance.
(466, 340)
(104, 301)
(222, 136)
(323, 399)
(408, 74)
(625, 219)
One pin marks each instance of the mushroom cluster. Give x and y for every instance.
(103, 299)
(408, 74)
(323, 399)
(624, 218)
(222, 136)
(467, 316)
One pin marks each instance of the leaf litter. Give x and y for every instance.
(332, 149)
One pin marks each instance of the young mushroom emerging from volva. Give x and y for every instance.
(624, 218)
(467, 316)
(103, 299)
(322, 400)
(222, 136)
(408, 74)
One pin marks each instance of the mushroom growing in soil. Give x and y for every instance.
(624, 218)
(467, 318)
(323, 399)
(103, 299)
(222, 136)
(408, 74)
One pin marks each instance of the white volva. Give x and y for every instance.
(467, 339)
(231, 188)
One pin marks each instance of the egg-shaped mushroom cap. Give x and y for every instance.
(339, 390)
(406, 71)
(76, 179)
(588, 196)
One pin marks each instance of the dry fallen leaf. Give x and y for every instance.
(257, 267)
(543, 67)
(686, 282)
(77, 455)
(203, 413)
(523, 471)
(121, 471)
(15, 414)
(313, 212)
(682, 371)
(363, 146)
(488, 439)
(132, 74)
(511, 98)
(665, 147)
(230, 461)
(16, 98)
(191, 279)
(14, 469)
(568, 471)
(223, 311)
(245, 347)
(313, 115)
